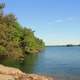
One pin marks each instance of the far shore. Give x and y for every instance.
(67, 45)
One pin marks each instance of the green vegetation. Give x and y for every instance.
(15, 40)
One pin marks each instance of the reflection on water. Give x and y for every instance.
(61, 62)
(27, 65)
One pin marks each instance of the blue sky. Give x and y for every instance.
(54, 21)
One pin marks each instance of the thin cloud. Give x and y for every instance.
(59, 20)
(69, 18)
(65, 19)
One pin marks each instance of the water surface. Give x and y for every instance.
(61, 62)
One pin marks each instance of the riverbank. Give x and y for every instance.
(9, 73)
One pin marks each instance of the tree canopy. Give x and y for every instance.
(15, 40)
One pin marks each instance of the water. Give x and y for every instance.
(60, 62)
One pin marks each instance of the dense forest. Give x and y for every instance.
(16, 40)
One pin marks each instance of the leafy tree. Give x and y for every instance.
(16, 41)
(2, 50)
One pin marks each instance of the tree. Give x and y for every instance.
(16, 41)
(2, 5)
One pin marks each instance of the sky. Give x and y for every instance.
(57, 22)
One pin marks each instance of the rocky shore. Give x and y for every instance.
(9, 73)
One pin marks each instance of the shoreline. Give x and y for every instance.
(10, 73)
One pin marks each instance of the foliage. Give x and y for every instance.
(2, 50)
(16, 41)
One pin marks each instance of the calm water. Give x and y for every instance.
(61, 62)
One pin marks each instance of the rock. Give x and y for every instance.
(9, 73)
(6, 77)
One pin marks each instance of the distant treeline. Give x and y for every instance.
(15, 40)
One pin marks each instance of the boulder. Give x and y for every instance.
(9, 73)
(6, 77)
